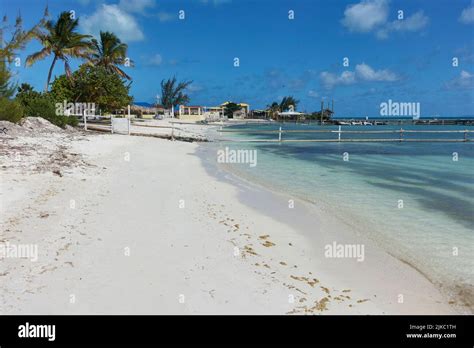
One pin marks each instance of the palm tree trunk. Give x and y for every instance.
(50, 72)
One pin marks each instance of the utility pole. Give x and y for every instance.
(322, 106)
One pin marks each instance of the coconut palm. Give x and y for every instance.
(286, 102)
(273, 109)
(172, 93)
(60, 39)
(110, 52)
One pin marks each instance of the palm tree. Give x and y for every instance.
(273, 109)
(286, 102)
(61, 39)
(173, 94)
(110, 52)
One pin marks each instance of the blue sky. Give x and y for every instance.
(406, 60)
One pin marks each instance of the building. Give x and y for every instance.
(210, 113)
(145, 110)
(191, 113)
(262, 114)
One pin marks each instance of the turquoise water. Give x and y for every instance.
(366, 189)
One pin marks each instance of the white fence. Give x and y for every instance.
(121, 125)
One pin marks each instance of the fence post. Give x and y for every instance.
(172, 130)
(339, 134)
(401, 134)
(85, 119)
(279, 134)
(112, 123)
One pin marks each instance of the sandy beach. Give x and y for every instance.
(139, 225)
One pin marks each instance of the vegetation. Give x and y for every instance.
(7, 88)
(173, 93)
(92, 84)
(110, 53)
(327, 114)
(286, 102)
(60, 39)
(275, 108)
(10, 110)
(100, 80)
(230, 108)
(39, 104)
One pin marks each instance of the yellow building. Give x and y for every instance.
(191, 113)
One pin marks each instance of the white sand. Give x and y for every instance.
(182, 259)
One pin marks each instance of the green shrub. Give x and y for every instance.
(10, 110)
(42, 105)
(72, 121)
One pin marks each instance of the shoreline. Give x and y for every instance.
(215, 255)
(452, 295)
(247, 188)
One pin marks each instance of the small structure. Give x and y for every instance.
(263, 114)
(290, 114)
(149, 111)
(239, 114)
(191, 113)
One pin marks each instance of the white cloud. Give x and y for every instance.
(362, 73)
(215, 2)
(413, 23)
(136, 6)
(329, 80)
(156, 60)
(467, 15)
(166, 16)
(464, 81)
(112, 18)
(313, 94)
(372, 16)
(366, 73)
(366, 15)
(194, 88)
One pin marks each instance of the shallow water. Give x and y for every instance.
(415, 199)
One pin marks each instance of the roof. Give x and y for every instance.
(241, 104)
(290, 113)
